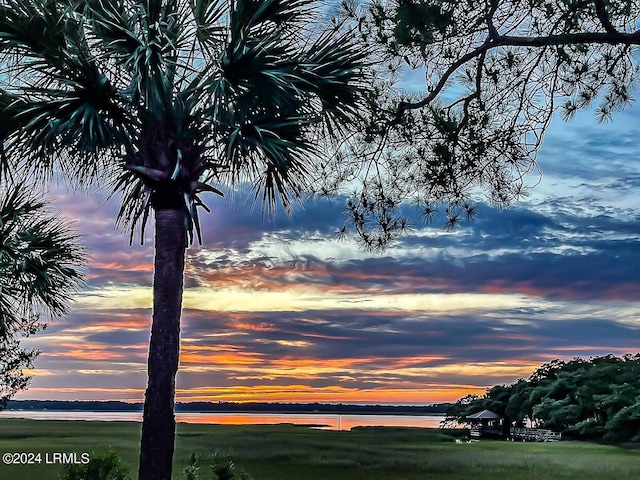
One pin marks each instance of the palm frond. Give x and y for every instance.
(207, 15)
(115, 25)
(56, 103)
(37, 27)
(333, 70)
(39, 258)
(255, 17)
(279, 87)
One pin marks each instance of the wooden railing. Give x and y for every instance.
(534, 435)
(492, 432)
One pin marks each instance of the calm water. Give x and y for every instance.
(330, 421)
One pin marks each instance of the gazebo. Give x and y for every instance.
(485, 424)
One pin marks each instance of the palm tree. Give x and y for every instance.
(175, 98)
(39, 260)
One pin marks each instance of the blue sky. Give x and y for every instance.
(282, 311)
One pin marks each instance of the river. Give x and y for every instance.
(322, 420)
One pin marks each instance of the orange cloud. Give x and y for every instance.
(334, 394)
(92, 352)
(216, 356)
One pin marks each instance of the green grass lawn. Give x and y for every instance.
(287, 452)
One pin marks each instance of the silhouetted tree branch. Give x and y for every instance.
(496, 71)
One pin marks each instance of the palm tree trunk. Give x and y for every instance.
(158, 423)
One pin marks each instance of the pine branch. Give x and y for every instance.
(603, 16)
(494, 40)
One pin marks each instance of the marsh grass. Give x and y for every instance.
(288, 452)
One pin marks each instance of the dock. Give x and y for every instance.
(533, 435)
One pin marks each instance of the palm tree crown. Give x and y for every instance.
(174, 95)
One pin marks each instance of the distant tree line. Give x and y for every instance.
(233, 407)
(595, 399)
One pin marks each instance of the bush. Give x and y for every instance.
(101, 466)
(222, 469)
(191, 470)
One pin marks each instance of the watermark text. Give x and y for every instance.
(47, 458)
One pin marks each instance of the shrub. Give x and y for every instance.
(101, 466)
(191, 470)
(222, 469)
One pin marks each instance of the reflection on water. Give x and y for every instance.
(329, 421)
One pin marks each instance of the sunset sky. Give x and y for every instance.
(282, 311)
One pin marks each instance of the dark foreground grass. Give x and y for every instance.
(287, 452)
